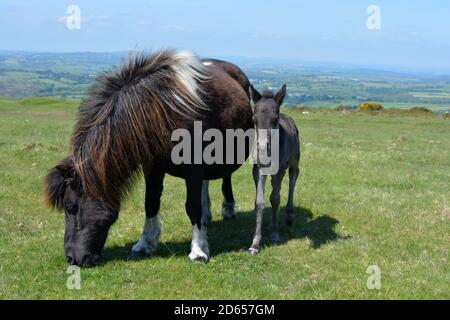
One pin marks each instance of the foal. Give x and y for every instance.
(267, 118)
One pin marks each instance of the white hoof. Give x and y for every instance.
(253, 251)
(150, 238)
(197, 255)
(142, 247)
(199, 246)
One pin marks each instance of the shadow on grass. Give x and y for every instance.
(236, 235)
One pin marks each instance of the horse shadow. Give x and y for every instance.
(232, 235)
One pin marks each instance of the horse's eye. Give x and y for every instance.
(72, 208)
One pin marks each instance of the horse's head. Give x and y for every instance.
(88, 220)
(266, 117)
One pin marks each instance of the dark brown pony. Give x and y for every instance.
(124, 127)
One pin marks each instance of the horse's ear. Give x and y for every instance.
(56, 182)
(256, 96)
(279, 97)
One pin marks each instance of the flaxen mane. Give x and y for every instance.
(127, 111)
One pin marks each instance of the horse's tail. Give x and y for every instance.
(129, 115)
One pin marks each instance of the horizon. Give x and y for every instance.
(410, 35)
(274, 62)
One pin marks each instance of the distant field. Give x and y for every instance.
(69, 75)
(425, 95)
(374, 190)
(389, 105)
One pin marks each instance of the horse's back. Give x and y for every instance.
(229, 102)
(229, 108)
(232, 70)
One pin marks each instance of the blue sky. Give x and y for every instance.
(413, 33)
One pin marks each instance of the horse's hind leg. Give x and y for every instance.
(260, 204)
(275, 202)
(152, 230)
(199, 245)
(293, 175)
(228, 205)
(206, 203)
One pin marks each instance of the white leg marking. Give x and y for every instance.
(199, 246)
(150, 237)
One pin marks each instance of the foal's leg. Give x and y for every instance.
(293, 175)
(228, 205)
(206, 203)
(152, 230)
(199, 245)
(275, 202)
(260, 204)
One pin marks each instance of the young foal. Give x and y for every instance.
(267, 117)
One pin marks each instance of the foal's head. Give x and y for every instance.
(266, 117)
(88, 220)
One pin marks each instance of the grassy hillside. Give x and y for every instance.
(374, 190)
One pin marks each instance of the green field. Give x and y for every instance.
(374, 190)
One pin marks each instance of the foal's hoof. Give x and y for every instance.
(253, 251)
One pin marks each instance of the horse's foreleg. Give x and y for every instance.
(228, 205)
(275, 202)
(152, 230)
(206, 203)
(199, 245)
(293, 175)
(260, 204)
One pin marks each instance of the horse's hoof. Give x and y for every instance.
(141, 249)
(195, 256)
(253, 251)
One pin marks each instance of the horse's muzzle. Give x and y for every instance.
(90, 260)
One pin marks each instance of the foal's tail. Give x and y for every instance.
(129, 116)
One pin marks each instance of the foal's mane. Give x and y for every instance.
(129, 116)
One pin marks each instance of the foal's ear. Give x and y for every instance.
(256, 96)
(279, 97)
(56, 182)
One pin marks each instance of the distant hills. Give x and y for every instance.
(69, 75)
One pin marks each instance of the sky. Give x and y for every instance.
(413, 33)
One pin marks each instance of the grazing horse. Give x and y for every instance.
(267, 117)
(125, 127)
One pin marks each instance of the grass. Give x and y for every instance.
(374, 190)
